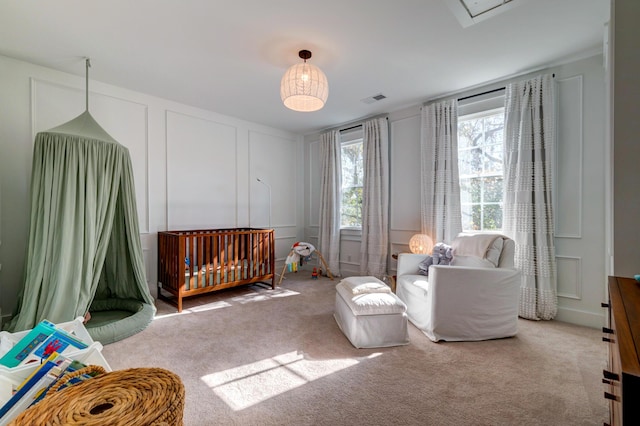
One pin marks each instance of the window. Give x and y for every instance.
(480, 159)
(352, 177)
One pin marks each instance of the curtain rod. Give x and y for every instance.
(350, 128)
(385, 116)
(482, 93)
(502, 81)
(489, 91)
(354, 123)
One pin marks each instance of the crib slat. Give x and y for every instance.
(202, 263)
(216, 257)
(243, 255)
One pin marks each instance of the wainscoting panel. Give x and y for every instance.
(126, 121)
(569, 158)
(569, 277)
(149, 244)
(349, 256)
(149, 264)
(315, 174)
(201, 173)
(405, 174)
(285, 237)
(273, 160)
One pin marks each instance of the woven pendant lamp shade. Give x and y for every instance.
(304, 86)
(421, 244)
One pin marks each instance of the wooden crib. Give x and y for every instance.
(201, 261)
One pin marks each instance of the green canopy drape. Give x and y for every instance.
(84, 241)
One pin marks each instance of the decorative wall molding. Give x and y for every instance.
(282, 179)
(569, 157)
(286, 229)
(148, 262)
(405, 166)
(401, 247)
(400, 120)
(187, 156)
(313, 186)
(74, 103)
(569, 277)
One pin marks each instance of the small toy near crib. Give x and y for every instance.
(201, 261)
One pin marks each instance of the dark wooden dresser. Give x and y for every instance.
(622, 377)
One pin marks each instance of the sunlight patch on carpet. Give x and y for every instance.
(260, 294)
(250, 384)
(255, 294)
(200, 308)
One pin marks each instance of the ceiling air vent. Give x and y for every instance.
(374, 98)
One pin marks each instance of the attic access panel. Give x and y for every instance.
(469, 12)
(478, 7)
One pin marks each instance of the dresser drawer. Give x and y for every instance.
(622, 376)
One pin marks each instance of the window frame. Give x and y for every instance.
(479, 110)
(350, 137)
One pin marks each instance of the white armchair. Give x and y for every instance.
(457, 303)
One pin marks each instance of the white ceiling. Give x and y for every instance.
(229, 57)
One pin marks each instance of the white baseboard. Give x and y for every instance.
(574, 316)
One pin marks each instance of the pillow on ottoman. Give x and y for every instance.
(362, 285)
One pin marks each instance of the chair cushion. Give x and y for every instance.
(472, 261)
(494, 251)
(478, 250)
(418, 283)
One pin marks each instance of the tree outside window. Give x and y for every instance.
(480, 159)
(352, 178)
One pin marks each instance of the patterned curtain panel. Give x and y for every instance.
(441, 212)
(330, 186)
(528, 209)
(375, 198)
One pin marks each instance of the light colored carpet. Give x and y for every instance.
(256, 356)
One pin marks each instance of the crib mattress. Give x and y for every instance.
(221, 275)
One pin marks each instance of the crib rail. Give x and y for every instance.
(199, 261)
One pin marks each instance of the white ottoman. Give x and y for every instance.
(369, 314)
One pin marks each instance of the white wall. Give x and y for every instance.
(625, 136)
(581, 192)
(580, 189)
(192, 168)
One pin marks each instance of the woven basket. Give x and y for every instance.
(137, 396)
(94, 370)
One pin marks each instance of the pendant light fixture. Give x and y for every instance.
(304, 86)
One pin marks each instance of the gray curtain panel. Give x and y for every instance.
(330, 187)
(440, 184)
(375, 198)
(528, 199)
